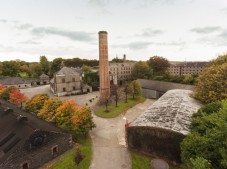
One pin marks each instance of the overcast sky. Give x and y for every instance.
(180, 30)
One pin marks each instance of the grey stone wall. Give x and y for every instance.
(156, 141)
(37, 156)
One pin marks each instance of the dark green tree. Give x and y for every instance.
(141, 70)
(159, 64)
(10, 68)
(44, 64)
(55, 65)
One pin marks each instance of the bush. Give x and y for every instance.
(212, 82)
(208, 136)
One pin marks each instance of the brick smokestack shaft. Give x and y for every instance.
(104, 76)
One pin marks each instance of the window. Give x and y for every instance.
(73, 79)
(63, 89)
(55, 150)
(74, 88)
(63, 80)
(25, 165)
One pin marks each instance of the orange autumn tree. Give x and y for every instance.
(49, 109)
(82, 121)
(36, 103)
(74, 118)
(17, 97)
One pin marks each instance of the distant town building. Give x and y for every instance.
(44, 79)
(187, 68)
(27, 141)
(104, 76)
(16, 82)
(121, 72)
(67, 81)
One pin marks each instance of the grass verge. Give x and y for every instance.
(142, 161)
(67, 161)
(122, 107)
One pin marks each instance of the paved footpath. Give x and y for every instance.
(109, 147)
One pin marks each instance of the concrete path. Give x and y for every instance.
(109, 146)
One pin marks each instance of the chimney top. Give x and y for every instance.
(102, 32)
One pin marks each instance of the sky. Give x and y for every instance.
(179, 30)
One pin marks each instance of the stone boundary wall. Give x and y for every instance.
(155, 89)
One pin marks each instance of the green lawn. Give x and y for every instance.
(141, 161)
(67, 161)
(122, 107)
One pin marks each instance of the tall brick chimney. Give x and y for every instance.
(104, 77)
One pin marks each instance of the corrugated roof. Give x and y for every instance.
(172, 111)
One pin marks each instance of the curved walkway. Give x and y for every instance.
(109, 146)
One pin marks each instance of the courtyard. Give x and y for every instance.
(108, 138)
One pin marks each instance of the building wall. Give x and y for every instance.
(155, 141)
(38, 156)
(21, 86)
(187, 68)
(123, 71)
(67, 84)
(104, 78)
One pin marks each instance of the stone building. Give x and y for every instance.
(187, 68)
(104, 77)
(161, 128)
(67, 81)
(15, 81)
(44, 79)
(27, 142)
(121, 72)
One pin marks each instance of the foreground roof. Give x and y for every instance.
(16, 127)
(173, 111)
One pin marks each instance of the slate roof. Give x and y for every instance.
(15, 129)
(190, 64)
(13, 81)
(43, 76)
(172, 111)
(68, 70)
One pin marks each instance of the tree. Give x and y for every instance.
(126, 90)
(141, 70)
(5, 93)
(35, 70)
(199, 163)
(159, 64)
(44, 64)
(55, 65)
(212, 82)
(208, 136)
(74, 118)
(17, 97)
(82, 121)
(86, 69)
(36, 103)
(49, 109)
(65, 113)
(135, 89)
(10, 68)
